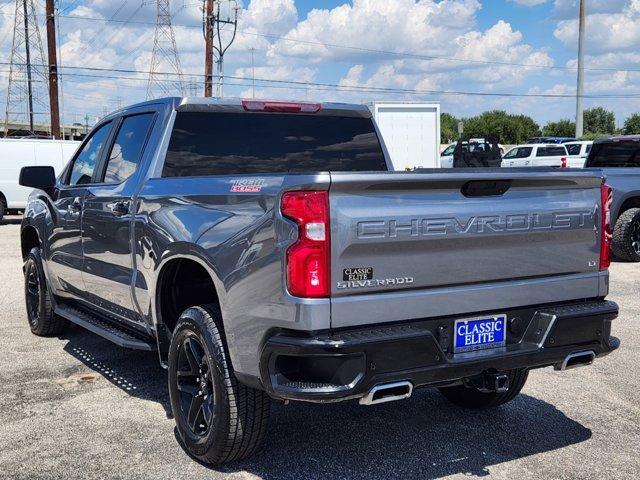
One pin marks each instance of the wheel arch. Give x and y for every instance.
(184, 280)
(630, 201)
(29, 238)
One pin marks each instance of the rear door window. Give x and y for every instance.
(551, 152)
(615, 155)
(214, 143)
(126, 152)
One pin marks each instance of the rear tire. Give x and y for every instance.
(626, 236)
(219, 420)
(42, 320)
(2, 209)
(472, 398)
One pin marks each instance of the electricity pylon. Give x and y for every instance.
(165, 74)
(27, 93)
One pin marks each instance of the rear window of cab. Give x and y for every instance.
(220, 143)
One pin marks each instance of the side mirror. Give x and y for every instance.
(38, 177)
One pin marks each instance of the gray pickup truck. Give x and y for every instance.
(265, 252)
(619, 158)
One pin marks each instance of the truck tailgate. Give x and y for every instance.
(418, 245)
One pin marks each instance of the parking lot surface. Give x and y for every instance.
(80, 407)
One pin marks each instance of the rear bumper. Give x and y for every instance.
(348, 364)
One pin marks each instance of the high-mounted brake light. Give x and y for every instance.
(564, 162)
(606, 237)
(308, 260)
(282, 107)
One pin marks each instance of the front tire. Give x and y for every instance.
(472, 398)
(626, 236)
(219, 420)
(42, 320)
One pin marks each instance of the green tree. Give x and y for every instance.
(507, 129)
(632, 125)
(599, 121)
(448, 128)
(561, 128)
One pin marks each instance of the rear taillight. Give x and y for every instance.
(564, 163)
(308, 260)
(282, 107)
(606, 237)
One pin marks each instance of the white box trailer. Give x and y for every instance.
(23, 152)
(411, 132)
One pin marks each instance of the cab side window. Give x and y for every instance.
(85, 162)
(126, 152)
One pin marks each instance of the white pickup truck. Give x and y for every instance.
(578, 152)
(537, 155)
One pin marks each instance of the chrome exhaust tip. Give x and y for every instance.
(387, 392)
(577, 359)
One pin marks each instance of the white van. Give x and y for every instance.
(16, 153)
(537, 155)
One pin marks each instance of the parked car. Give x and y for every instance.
(578, 152)
(548, 140)
(264, 250)
(537, 155)
(619, 158)
(477, 144)
(16, 153)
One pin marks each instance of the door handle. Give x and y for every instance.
(119, 209)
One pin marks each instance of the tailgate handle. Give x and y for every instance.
(486, 188)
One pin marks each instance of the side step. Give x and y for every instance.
(121, 336)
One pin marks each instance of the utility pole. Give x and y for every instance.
(213, 26)
(253, 73)
(580, 89)
(53, 69)
(165, 56)
(27, 70)
(222, 46)
(208, 48)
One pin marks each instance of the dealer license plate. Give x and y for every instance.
(480, 333)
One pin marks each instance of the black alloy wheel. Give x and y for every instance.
(635, 237)
(196, 387)
(32, 294)
(43, 320)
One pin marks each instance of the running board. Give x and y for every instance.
(121, 336)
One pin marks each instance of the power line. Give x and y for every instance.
(370, 50)
(330, 86)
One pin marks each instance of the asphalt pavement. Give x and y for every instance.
(80, 407)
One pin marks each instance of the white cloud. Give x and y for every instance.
(605, 31)
(398, 25)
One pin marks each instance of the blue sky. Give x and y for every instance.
(516, 55)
